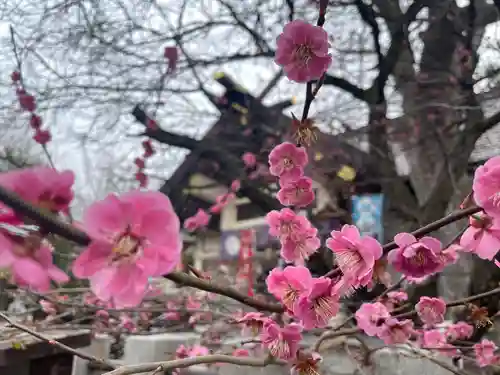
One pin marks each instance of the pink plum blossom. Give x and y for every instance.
(482, 236)
(486, 186)
(199, 351)
(282, 342)
(299, 193)
(249, 159)
(29, 260)
(431, 310)
(316, 307)
(134, 236)
(355, 255)
(451, 253)
(44, 187)
(182, 352)
(459, 331)
(222, 201)
(398, 296)
(306, 364)
(485, 353)
(287, 161)
(200, 220)
(289, 284)
(240, 352)
(102, 314)
(252, 322)
(48, 307)
(434, 339)
(285, 222)
(171, 315)
(395, 298)
(300, 246)
(416, 258)
(127, 323)
(235, 185)
(302, 51)
(371, 317)
(395, 331)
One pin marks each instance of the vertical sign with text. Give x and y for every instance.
(367, 212)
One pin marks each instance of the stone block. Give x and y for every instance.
(100, 348)
(157, 347)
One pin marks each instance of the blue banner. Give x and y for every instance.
(367, 214)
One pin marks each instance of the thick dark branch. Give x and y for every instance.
(291, 7)
(369, 17)
(231, 165)
(391, 58)
(345, 85)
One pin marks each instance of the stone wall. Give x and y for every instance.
(341, 357)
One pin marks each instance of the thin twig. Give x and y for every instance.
(58, 344)
(187, 362)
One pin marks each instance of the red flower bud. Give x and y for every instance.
(148, 148)
(15, 76)
(140, 163)
(35, 121)
(27, 102)
(151, 124)
(142, 178)
(42, 136)
(171, 55)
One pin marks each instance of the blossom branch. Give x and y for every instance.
(332, 334)
(187, 362)
(429, 228)
(57, 344)
(69, 232)
(435, 225)
(457, 302)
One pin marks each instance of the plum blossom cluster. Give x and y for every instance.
(184, 310)
(27, 102)
(202, 217)
(482, 237)
(313, 301)
(299, 239)
(253, 167)
(171, 55)
(134, 236)
(377, 319)
(140, 162)
(287, 162)
(25, 251)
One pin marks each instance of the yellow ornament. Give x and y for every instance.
(347, 173)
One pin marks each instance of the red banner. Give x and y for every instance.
(247, 246)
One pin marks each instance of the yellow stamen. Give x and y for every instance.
(126, 245)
